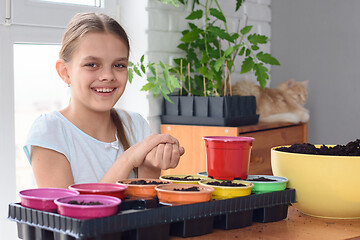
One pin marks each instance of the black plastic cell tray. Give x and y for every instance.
(146, 219)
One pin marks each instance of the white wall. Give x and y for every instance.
(318, 40)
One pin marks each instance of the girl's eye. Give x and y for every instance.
(93, 65)
(119, 65)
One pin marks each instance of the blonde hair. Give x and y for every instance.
(81, 24)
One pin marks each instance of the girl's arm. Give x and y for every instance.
(51, 168)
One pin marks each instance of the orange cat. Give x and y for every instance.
(285, 103)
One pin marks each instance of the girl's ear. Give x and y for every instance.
(62, 70)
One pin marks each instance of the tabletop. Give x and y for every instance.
(296, 226)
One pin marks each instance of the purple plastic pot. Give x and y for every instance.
(108, 207)
(43, 198)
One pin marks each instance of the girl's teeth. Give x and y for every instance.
(104, 89)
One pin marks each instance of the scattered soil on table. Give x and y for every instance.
(226, 184)
(144, 182)
(187, 178)
(350, 149)
(190, 189)
(84, 203)
(262, 179)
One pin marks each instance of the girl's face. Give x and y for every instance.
(98, 71)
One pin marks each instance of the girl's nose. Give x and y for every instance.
(107, 74)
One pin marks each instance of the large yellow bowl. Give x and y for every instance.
(325, 186)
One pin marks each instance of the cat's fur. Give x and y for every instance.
(285, 103)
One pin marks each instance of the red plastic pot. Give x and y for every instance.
(228, 158)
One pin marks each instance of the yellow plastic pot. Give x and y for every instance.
(326, 186)
(224, 192)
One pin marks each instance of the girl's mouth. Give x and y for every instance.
(103, 90)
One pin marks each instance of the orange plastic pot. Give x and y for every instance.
(141, 190)
(168, 194)
(228, 158)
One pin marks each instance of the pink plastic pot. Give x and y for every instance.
(228, 158)
(43, 198)
(109, 189)
(108, 207)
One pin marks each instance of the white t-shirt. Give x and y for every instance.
(89, 158)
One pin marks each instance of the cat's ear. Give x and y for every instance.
(291, 83)
(305, 83)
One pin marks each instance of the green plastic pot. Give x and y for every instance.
(278, 184)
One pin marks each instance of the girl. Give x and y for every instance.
(90, 141)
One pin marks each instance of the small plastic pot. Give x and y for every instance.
(225, 192)
(43, 198)
(108, 206)
(168, 194)
(108, 189)
(261, 185)
(228, 158)
(136, 189)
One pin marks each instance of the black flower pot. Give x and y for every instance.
(186, 106)
(201, 106)
(171, 109)
(212, 111)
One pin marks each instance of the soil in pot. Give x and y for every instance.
(350, 149)
(84, 203)
(144, 182)
(186, 178)
(190, 189)
(227, 184)
(263, 179)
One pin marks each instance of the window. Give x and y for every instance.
(38, 89)
(55, 13)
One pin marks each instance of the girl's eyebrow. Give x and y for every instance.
(87, 58)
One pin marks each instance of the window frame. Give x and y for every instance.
(33, 12)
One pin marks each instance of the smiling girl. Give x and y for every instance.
(90, 140)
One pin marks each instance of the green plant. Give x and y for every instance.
(209, 55)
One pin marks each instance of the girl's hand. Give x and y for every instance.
(157, 150)
(164, 156)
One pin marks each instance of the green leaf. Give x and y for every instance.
(242, 51)
(231, 49)
(219, 63)
(247, 65)
(151, 79)
(267, 58)
(204, 58)
(246, 30)
(195, 15)
(238, 4)
(148, 87)
(248, 51)
(191, 36)
(261, 74)
(137, 71)
(142, 58)
(143, 68)
(130, 75)
(166, 97)
(257, 39)
(182, 46)
(255, 47)
(220, 33)
(216, 13)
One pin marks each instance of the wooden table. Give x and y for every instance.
(295, 226)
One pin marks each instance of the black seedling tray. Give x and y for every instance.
(147, 219)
